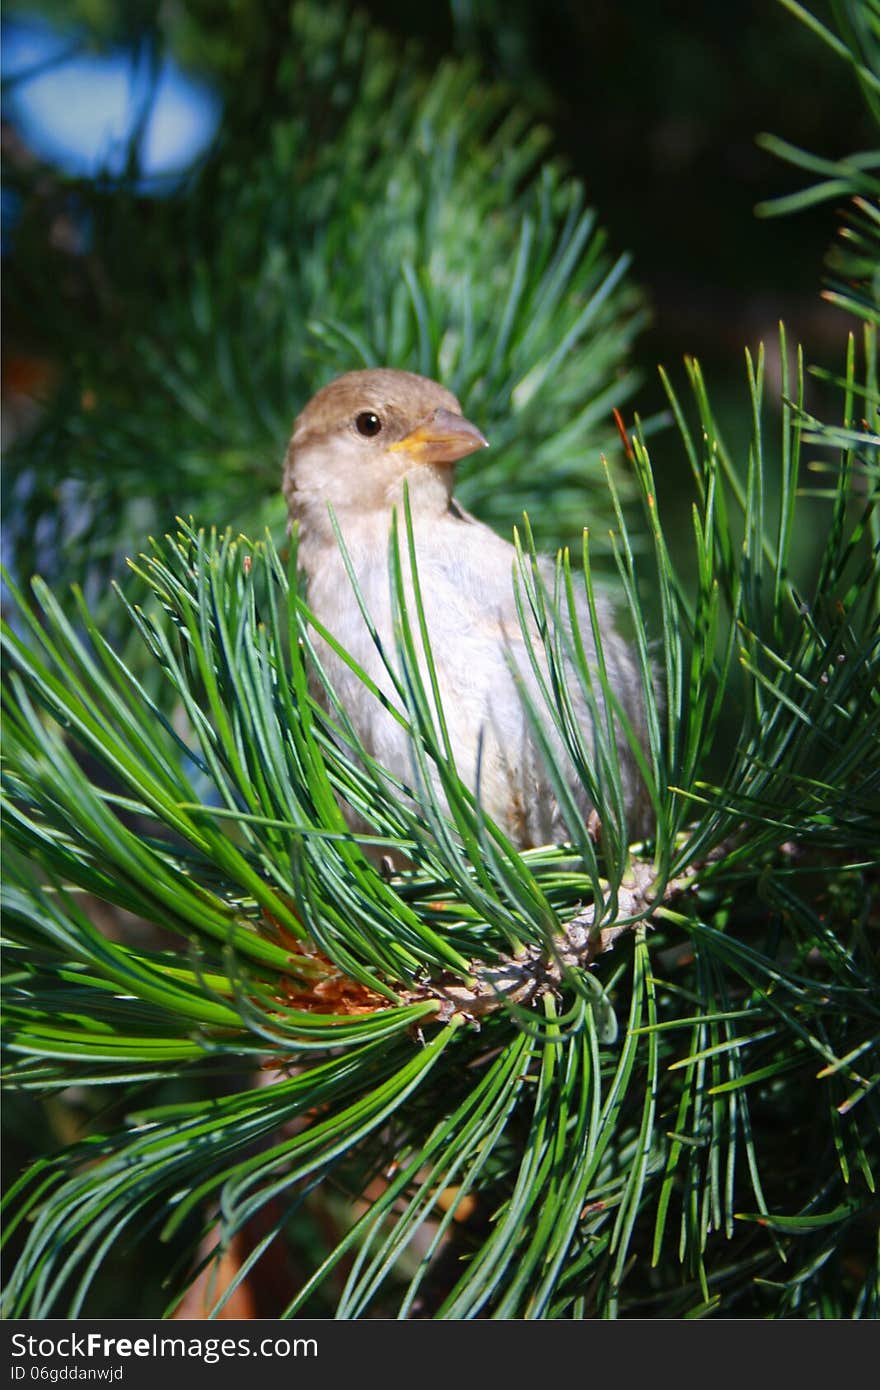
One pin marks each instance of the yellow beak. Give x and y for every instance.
(443, 438)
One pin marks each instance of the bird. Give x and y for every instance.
(359, 444)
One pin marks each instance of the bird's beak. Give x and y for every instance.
(443, 438)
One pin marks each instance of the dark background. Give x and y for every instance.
(657, 108)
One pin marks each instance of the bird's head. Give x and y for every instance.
(361, 436)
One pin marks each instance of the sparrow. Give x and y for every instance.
(355, 447)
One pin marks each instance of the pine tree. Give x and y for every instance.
(590, 1079)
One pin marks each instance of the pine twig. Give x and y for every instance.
(525, 977)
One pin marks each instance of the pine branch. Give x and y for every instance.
(607, 1107)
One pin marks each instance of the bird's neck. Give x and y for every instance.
(429, 490)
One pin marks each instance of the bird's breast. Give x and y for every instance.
(467, 597)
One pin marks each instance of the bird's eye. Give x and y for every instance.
(367, 423)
